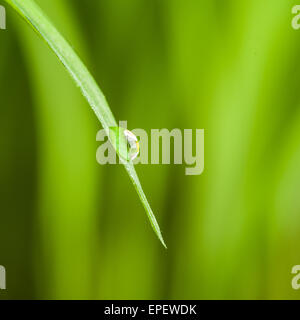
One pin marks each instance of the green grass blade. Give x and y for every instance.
(31, 12)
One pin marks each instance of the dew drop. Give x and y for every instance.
(125, 143)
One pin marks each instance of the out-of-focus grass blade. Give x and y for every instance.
(31, 12)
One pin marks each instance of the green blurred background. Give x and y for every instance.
(72, 229)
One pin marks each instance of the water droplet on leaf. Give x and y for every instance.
(125, 143)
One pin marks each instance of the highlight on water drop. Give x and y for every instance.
(133, 144)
